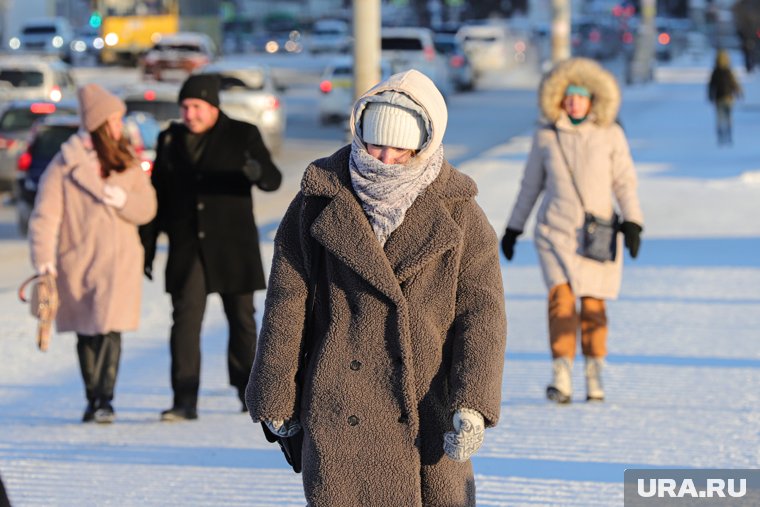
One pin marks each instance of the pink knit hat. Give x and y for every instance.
(96, 104)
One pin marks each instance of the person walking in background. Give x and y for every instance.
(408, 330)
(83, 230)
(722, 89)
(579, 159)
(203, 174)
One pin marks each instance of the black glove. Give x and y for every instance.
(632, 233)
(252, 169)
(508, 242)
(148, 270)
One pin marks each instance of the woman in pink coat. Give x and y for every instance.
(83, 230)
(581, 163)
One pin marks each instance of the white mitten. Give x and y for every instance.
(284, 428)
(47, 268)
(467, 437)
(114, 196)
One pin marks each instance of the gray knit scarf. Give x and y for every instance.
(386, 191)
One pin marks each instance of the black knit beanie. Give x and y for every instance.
(201, 86)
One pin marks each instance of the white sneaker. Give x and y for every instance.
(594, 388)
(560, 389)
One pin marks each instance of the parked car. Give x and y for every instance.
(46, 138)
(330, 36)
(50, 36)
(248, 93)
(489, 46)
(407, 48)
(16, 120)
(176, 56)
(143, 129)
(86, 45)
(460, 67)
(35, 78)
(597, 40)
(337, 87)
(156, 98)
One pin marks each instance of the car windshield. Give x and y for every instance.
(161, 111)
(39, 30)
(21, 78)
(177, 47)
(402, 43)
(23, 118)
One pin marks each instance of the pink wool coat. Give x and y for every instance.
(95, 248)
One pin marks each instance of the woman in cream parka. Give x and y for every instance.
(83, 230)
(408, 327)
(579, 101)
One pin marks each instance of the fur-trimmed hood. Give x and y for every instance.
(605, 92)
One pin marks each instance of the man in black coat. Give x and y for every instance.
(203, 174)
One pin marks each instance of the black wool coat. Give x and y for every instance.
(206, 208)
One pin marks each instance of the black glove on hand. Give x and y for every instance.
(252, 169)
(148, 270)
(632, 233)
(508, 242)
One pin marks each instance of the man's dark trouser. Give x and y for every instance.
(188, 305)
(99, 362)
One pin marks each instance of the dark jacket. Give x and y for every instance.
(403, 335)
(206, 208)
(723, 86)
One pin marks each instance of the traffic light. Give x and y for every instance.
(95, 19)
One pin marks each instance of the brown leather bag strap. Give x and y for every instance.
(22, 289)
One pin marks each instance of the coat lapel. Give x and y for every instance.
(427, 231)
(345, 232)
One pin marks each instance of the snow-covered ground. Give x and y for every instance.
(681, 383)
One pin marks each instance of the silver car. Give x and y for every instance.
(249, 94)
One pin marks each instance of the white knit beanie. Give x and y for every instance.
(387, 124)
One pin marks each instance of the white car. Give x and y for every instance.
(489, 46)
(407, 48)
(330, 36)
(337, 87)
(50, 36)
(249, 94)
(35, 78)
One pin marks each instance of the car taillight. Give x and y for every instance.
(457, 61)
(594, 36)
(55, 94)
(429, 54)
(24, 161)
(149, 95)
(42, 108)
(325, 86)
(274, 103)
(6, 144)
(663, 39)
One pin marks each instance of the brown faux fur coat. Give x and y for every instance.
(405, 336)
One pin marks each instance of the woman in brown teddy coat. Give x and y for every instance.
(408, 326)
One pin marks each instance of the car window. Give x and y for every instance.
(231, 82)
(39, 30)
(343, 72)
(23, 118)
(445, 47)
(22, 78)
(161, 111)
(480, 38)
(177, 47)
(402, 43)
(49, 139)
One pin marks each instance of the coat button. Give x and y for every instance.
(355, 365)
(353, 420)
(200, 206)
(201, 235)
(403, 419)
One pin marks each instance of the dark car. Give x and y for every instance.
(46, 138)
(460, 68)
(16, 120)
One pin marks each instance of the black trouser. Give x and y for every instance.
(99, 362)
(188, 306)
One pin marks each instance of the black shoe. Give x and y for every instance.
(241, 397)
(179, 414)
(555, 395)
(104, 414)
(89, 412)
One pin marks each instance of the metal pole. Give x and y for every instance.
(366, 45)
(560, 30)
